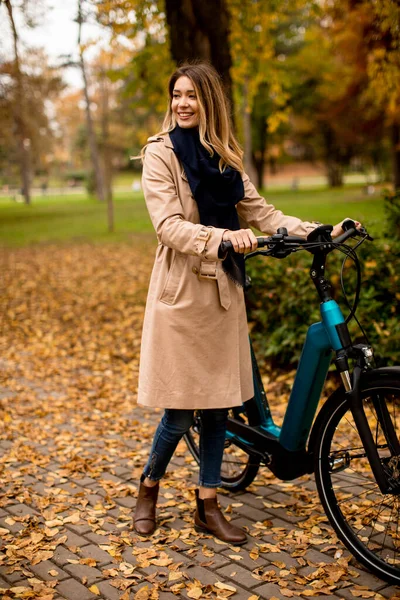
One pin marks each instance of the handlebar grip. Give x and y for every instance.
(225, 246)
(348, 224)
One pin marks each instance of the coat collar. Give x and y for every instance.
(168, 144)
(162, 138)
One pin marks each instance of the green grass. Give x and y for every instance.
(332, 205)
(75, 216)
(67, 218)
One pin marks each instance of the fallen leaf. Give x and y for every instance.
(224, 586)
(53, 572)
(93, 588)
(195, 592)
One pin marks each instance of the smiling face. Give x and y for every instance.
(184, 103)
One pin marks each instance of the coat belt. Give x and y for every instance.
(213, 270)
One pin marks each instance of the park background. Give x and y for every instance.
(314, 89)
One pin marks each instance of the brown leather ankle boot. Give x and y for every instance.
(145, 510)
(209, 519)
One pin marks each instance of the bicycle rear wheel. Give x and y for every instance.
(238, 469)
(367, 521)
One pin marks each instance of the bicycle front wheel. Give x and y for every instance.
(238, 469)
(366, 520)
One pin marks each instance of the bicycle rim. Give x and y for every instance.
(238, 469)
(367, 521)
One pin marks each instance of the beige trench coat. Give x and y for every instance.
(195, 351)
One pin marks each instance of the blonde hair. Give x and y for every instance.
(215, 127)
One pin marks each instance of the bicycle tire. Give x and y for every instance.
(365, 520)
(233, 479)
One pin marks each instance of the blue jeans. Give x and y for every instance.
(174, 424)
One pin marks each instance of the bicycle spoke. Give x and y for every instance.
(367, 519)
(384, 539)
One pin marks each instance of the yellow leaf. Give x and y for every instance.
(142, 594)
(51, 532)
(93, 588)
(90, 562)
(54, 523)
(74, 518)
(207, 551)
(279, 564)
(254, 554)
(224, 586)
(195, 592)
(175, 589)
(161, 562)
(174, 575)
(36, 537)
(287, 593)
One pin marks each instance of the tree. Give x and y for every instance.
(106, 88)
(263, 34)
(94, 154)
(331, 118)
(19, 111)
(144, 73)
(366, 34)
(200, 30)
(42, 84)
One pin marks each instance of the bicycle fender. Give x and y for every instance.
(381, 372)
(374, 375)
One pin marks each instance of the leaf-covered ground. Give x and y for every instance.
(73, 445)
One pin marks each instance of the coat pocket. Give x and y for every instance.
(170, 289)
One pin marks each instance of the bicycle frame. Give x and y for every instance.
(284, 449)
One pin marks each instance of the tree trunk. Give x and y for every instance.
(94, 153)
(21, 129)
(247, 139)
(334, 169)
(334, 173)
(200, 30)
(107, 155)
(259, 155)
(396, 155)
(259, 162)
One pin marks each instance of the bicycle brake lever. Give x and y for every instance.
(257, 253)
(350, 224)
(362, 231)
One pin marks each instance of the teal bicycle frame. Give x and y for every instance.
(313, 367)
(321, 340)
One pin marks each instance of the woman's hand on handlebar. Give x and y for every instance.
(242, 240)
(338, 230)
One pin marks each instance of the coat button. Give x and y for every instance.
(195, 270)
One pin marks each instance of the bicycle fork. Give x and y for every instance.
(387, 479)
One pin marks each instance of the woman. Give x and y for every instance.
(195, 351)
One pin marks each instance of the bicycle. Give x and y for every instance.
(352, 446)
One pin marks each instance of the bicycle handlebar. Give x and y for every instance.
(319, 237)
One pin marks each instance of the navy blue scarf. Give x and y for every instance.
(216, 193)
